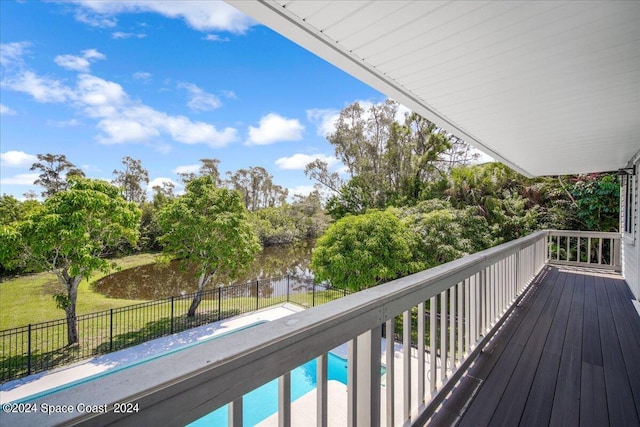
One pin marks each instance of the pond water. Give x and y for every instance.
(155, 281)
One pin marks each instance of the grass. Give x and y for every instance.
(29, 298)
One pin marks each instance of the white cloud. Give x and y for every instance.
(303, 190)
(42, 89)
(64, 123)
(187, 169)
(274, 128)
(141, 75)
(11, 53)
(6, 111)
(215, 38)
(20, 179)
(16, 159)
(121, 35)
(71, 62)
(199, 100)
(200, 15)
(79, 63)
(324, 119)
(229, 94)
(93, 54)
(299, 161)
(120, 119)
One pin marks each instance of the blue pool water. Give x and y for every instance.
(263, 401)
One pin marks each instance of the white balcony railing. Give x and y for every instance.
(584, 249)
(459, 305)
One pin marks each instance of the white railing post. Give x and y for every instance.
(352, 378)
(406, 362)
(321, 390)
(368, 378)
(390, 371)
(284, 400)
(235, 413)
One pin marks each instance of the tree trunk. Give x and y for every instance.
(202, 282)
(70, 310)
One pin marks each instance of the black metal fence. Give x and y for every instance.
(43, 346)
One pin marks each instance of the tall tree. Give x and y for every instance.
(55, 170)
(207, 227)
(257, 188)
(209, 167)
(389, 161)
(69, 236)
(131, 180)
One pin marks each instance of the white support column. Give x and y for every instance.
(368, 378)
(235, 413)
(284, 400)
(321, 390)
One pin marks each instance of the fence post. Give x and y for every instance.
(257, 294)
(219, 303)
(29, 352)
(111, 329)
(313, 295)
(288, 287)
(172, 299)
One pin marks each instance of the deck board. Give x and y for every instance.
(569, 356)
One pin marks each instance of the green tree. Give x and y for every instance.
(597, 199)
(131, 180)
(207, 227)
(55, 170)
(439, 233)
(70, 235)
(359, 252)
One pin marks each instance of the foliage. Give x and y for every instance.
(389, 162)
(303, 219)
(358, 252)
(208, 227)
(597, 199)
(257, 188)
(131, 180)
(69, 236)
(439, 233)
(55, 170)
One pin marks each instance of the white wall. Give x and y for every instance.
(631, 242)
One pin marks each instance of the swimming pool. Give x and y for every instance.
(262, 402)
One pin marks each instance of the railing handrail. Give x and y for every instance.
(200, 381)
(577, 233)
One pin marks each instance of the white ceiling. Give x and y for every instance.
(546, 87)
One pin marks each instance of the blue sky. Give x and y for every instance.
(167, 83)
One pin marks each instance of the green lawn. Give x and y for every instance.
(29, 299)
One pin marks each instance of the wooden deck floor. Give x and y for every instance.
(569, 355)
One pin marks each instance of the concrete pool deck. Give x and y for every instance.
(303, 409)
(42, 382)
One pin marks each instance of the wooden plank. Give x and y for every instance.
(593, 399)
(509, 410)
(497, 373)
(566, 399)
(619, 396)
(537, 411)
(629, 344)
